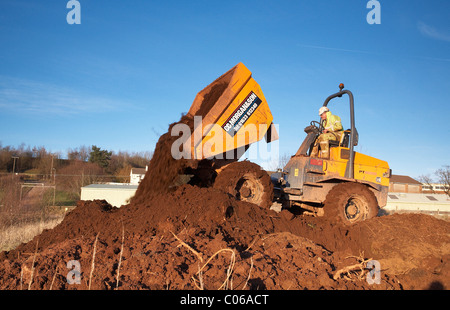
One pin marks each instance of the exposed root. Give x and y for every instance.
(120, 257)
(93, 260)
(227, 284)
(358, 270)
(249, 273)
(32, 266)
(199, 256)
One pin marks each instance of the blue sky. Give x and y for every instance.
(118, 79)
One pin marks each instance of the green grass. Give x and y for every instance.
(62, 198)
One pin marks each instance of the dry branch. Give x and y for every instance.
(230, 267)
(361, 266)
(54, 276)
(93, 259)
(227, 284)
(249, 273)
(190, 248)
(32, 266)
(120, 257)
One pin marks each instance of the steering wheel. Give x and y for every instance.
(318, 126)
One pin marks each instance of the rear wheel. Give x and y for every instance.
(350, 203)
(246, 181)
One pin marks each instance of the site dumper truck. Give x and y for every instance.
(232, 113)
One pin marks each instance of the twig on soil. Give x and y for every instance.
(21, 277)
(249, 273)
(32, 266)
(200, 277)
(120, 257)
(227, 283)
(229, 280)
(54, 276)
(346, 270)
(253, 242)
(190, 248)
(230, 268)
(93, 259)
(270, 235)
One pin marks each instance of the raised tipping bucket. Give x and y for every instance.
(230, 113)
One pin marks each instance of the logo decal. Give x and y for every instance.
(241, 114)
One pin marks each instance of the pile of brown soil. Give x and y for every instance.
(191, 237)
(415, 248)
(167, 240)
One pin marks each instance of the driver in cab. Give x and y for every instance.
(332, 131)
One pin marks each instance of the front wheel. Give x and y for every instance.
(350, 203)
(246, 181)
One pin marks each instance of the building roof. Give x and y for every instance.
(138, 170)
(113, 186)
(418, 198)
(404, 179)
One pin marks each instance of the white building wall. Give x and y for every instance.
(411, 202)
(115, 195)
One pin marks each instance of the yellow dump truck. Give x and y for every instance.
(347, 185)
(232, 113)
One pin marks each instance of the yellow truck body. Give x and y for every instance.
(231, 113)
(367, 168)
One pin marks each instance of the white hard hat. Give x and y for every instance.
(322, 110)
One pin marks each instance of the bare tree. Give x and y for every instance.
(443, 175)
(427, 181)
(79, 153)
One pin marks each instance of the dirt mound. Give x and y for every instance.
(201, 237)
(413, 247)
(276, 261)
(193, 237)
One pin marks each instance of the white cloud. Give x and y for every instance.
(432, 32)
(31, 97)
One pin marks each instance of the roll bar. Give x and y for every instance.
(349, 172)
